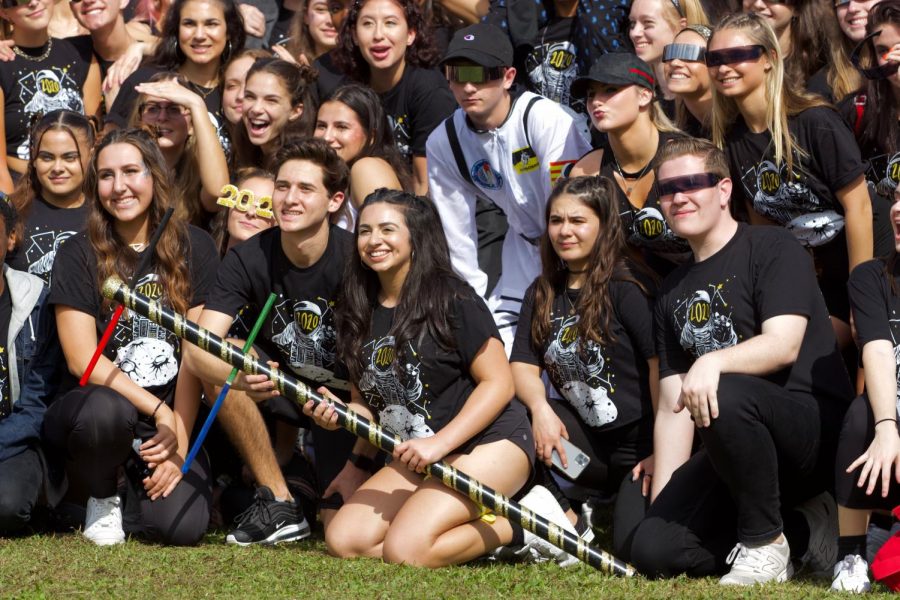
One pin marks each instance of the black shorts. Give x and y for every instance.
(512, 425)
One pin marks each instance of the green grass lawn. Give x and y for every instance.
(69, 566)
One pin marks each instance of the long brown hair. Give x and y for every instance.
(610, 260)
(80, 128)
(115, 257)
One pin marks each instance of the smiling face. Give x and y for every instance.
(339, 125)
(852, 18)
(124, 183)
(59, 166)
(382, 34)
(688, 77)
(201, 31)
(267, 108)
(300, 200)
(319, 21)
(573, 228)
(885, 42)
(31, 17)
(95, 15)
(737, 80)
(243, 224)
(172, 122)
(615, 107)
(383, 242)
(233, 88)
(649, 30)
(778, 14)
(695, 214)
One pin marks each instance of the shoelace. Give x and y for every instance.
(260, 506)
(741, 555)
(107, 520)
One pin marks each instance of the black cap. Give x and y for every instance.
(483, 44)
(615, 68)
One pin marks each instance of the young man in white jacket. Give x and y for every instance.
(507, 147)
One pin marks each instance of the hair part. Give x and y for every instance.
(335, 173)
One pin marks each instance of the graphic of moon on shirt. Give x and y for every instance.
(787, 201)
(45, 91)
(306, 337)
(704, 324)
(395, 390)
(580, 367)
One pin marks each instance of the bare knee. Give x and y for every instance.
(346, 542)
(414, 550)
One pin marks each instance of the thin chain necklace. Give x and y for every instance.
(18, 51)
(630, 177)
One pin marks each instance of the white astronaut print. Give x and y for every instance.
(44, 265)
(45, 91)
(396, 390)
(888, 183)
(705, 327)
(787, 201)
(580, 366)
(306, 337)
(149, 357)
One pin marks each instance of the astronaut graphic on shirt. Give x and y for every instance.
(580, 364)
(396, 390)
(304, 332)
(705, 321)
(45, 91)
(44, 265)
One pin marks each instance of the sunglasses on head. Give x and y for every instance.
(687, 183)
(730, 56)
(472, 73)
(878, 71)
(685, 52)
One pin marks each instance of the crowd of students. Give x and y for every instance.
(641, 253)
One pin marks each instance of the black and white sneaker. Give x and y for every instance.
(269, 521)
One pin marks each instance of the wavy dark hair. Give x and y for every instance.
(367, 106)
(422, 53)
(426, 298)
(114, 256)
(611, 259)
(299, 81)
(80, 128)
(168, 55)
(878, 127)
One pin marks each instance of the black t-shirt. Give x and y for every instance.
(120, 112)
(330, 78)
(5, 316)
(40, 86)
(722, 301)
(551, 66)
(876, 309)
(883, 172)
(805, 203)
(46, 228)
(426, 386)
(149, 354)
(415, 106)
(609, 386)
(299, 330)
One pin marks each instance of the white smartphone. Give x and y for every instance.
(577, 459)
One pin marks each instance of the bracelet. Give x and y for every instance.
(892, 420)
(362, 462)
(153, 414)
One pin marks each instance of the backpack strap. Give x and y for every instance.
(525, 118)
(458, 155)
(859, 101)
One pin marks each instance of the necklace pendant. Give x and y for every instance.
(628, 190)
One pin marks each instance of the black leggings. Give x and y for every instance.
(769, 449)
(857, 433)
(92, 429)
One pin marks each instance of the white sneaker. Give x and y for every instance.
(103, 524)
(821, 516)
(851, 575)
(541, 501)
(759, 564)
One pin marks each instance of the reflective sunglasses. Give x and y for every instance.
(14, 3)
(472, 73)
(875, 72)
(730, 56)
(685, 52)
(687, 183)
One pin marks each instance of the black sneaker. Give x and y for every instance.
(269, 521)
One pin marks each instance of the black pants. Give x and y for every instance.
(769, 449)
(20, 484)
(92, 429)
(857, 433)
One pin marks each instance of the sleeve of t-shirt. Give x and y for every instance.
(433, 102)
(233, 287)
(522, 350)
(673, 359)
(120, 112)
(74, 282)
(634, 309)
(833, 147)
(555, 136)
(783, 275)
(871, 311)
(473, 325)
(204, 264)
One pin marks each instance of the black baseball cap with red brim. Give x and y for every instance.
(615, 68)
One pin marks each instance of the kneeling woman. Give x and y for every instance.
(425, 356)
(137, 387)
(588, 322)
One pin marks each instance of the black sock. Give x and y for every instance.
(851, 544)
(518, 537)
(796, 529)
(581, 525)
(882, 521)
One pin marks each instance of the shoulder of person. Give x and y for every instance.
(874, 267)
(83, 44)
(340, 236)
(370, 166)
(200, 238)
(817, 115)
(589, 164)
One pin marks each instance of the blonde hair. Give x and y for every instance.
(783, 100)
(689, 10)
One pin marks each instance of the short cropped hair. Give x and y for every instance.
(335, 173)
(714, 160)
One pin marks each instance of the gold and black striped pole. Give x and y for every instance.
(114, 289)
